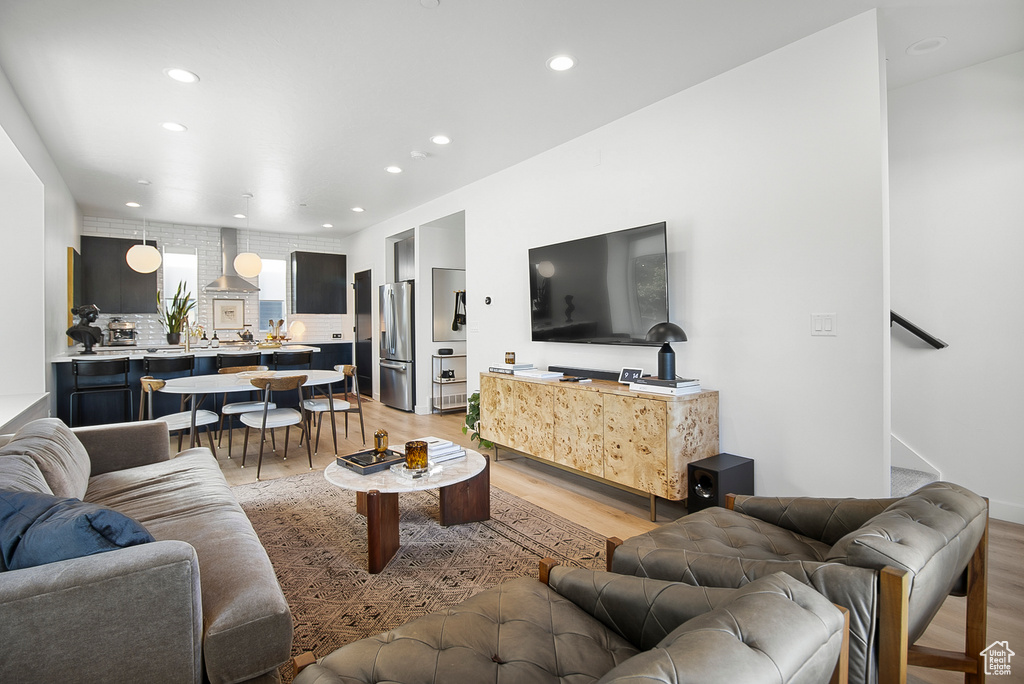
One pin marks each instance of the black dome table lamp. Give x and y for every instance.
(666, 332)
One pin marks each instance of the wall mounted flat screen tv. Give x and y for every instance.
(604, 289)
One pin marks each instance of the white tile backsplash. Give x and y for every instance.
(206, 241)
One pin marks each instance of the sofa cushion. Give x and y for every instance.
(36, 529)
(20, 473)
(61, 458)
(247, 623)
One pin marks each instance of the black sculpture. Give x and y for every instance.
(81, 331)
(570, 307)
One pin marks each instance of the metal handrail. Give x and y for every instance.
(927, 337)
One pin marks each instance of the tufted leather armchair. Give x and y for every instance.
(587, 626)
(891, 562)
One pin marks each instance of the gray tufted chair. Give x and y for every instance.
(891, 562)
(586, 626)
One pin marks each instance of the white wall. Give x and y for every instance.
(771, 179)
(40, 317)
(957, 170)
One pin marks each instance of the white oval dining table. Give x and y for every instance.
(198, 386)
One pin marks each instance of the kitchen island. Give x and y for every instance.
(108, 408)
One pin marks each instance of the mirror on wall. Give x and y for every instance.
(449, 304)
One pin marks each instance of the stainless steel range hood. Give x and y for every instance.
(230, 281)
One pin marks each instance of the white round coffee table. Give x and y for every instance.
(465, 496)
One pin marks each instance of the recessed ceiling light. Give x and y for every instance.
(358, 210)
(561, 63)
(440, 140)
(328, 225)
(174, 127)
(181, 75)
(926, 45)
(416, 154)
(133, 205)
(239, 216)
(394, 169)
(143, 181)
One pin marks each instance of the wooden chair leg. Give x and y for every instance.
(302, 661)
(893, 599)
(977, 607)
(841, 675)
(546, 564)
(610, 544)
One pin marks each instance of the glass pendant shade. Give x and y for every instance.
(248, 264)
(143, 258)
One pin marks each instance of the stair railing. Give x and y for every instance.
(926, 336)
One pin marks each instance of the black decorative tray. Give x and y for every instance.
(366, 462)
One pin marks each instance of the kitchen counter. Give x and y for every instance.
(104, 352)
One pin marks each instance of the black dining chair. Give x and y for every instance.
(101, 368)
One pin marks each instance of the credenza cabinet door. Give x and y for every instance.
(496, 418)
(534, 407)
(579, 430)
(635, 448)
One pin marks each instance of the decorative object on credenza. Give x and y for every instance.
(628, 375)
(82, 331)
(510, 358)
(174, 314)
(666, 332)
(473, 421)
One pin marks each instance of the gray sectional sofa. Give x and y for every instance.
(200, 603)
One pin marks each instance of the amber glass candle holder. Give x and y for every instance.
(380, 443)
(416, 455)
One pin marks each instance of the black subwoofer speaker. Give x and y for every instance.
(710, 479)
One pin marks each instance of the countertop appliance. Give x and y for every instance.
(397, 379)
(121, 333)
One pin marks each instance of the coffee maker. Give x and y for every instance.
(121, 333)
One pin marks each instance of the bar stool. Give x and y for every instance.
(236, 360)
(275, 418)
(101, 368)
(176, 422)
(239, 407)
(293, 358)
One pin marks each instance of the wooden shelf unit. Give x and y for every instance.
(601, 429)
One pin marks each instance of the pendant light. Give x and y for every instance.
(144, 258)
(248, 264)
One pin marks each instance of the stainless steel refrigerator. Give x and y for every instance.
(397, 379)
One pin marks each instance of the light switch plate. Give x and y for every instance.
(824, 325)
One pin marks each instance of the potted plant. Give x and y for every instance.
(473, 421)
(174, 314)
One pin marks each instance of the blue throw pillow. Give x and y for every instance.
(36, 529)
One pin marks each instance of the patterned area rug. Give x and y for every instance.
(317, 543)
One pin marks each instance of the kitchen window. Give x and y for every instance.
(181, 264)
(273, 293)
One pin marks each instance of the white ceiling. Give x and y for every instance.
(304, 103)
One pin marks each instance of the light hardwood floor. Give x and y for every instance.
(612, 512)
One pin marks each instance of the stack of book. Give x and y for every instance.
(509, 368)
(537, 373)
(441, 450)
(677, 387)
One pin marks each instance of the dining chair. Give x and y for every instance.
(176, 422)
(166, 365)
(317, 406)
(270, 418)
(237, 408)
(100, 368)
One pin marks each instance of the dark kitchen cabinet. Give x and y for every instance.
(108, 281)
(319, 283)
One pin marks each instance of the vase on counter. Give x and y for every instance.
(174, 338)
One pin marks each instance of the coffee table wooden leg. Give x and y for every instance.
(361, 503)
(469, 500)
(381, 529)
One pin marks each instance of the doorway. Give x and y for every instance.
(364, 331)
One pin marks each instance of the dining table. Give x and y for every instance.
(197, 387)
